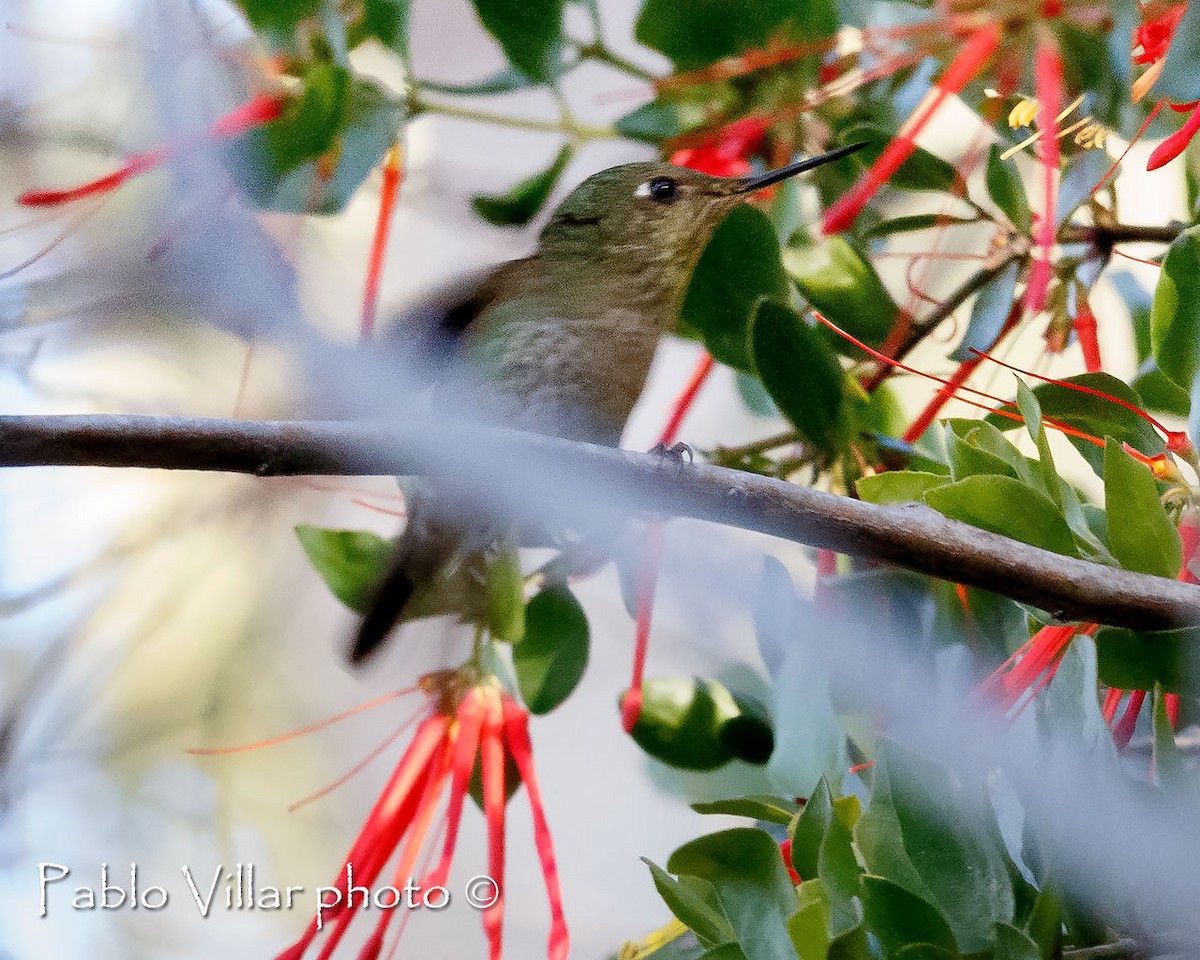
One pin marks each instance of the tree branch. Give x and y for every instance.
(912, 536)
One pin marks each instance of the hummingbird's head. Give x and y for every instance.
(656, 212)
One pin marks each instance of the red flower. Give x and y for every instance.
(724, 155)
(1154, 36)
(481, 722)
(258, 111)
(1048, 77)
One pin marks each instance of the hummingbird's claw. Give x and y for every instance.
(676, 453)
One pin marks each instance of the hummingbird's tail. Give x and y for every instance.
(386, 609)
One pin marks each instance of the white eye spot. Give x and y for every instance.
(643, 190)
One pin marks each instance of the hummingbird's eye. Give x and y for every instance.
(662, 189)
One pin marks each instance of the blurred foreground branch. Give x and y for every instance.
(912, 536)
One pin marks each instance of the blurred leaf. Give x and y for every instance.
(1007, 507)
(316, 155)
(749, 736)
(914, 222)
(726, 951)
(738, 268)
(841, 283)
(385, 21)
(925, 951)
(745, 867)
(1140, 534)
(1167, 760)
(1180, 79)
(1094, 415)
(1075, 188)
(351, 562)
(841, 875)
(1014, 944)
(1044, 925)
(989, 312)
(800, 372)
(522, 202)
(553, 654)
(1133, 660)
(673, 115)
(277, 19)
(506, 80)
(897, 486)
(760, 807)
(774, 613)
(755, 396)
(921, 171)
(695, 33)
(1007, 190)
(1175, 316)
(694, 903)
(529, 31)
(923, 832)
(809, 926)
(898, 917)
(681, 721)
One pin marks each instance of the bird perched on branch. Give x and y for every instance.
(565, 337)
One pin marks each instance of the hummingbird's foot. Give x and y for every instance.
(676, 453)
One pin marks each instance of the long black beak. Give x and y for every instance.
(774, 176)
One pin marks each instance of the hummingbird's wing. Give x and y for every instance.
(430, 334)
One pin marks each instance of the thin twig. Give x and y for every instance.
(912, 535)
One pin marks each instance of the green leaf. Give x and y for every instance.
(726, 951)
(923, 832)
(759, 806)
(1007, 190)
(1167, 761)
(989, 313)
(277, 19)
(755, 396)
(1094, 415)
(553, 654)
(681, 722)
(506, 80)
(1159, 393)
(925, 951)
(1175, 315)
(1180, 79)
(913, 223)
(898, 917)
(809, 829)
(695, 33)
(841, 283)
(800, 372)
(897, 486)
(673, 115)
(1044, 925)
(1140, 535)
(921, 171)
(809, 926)
(841, 875)
(975, 447)
(1137, 660)
(694, 903)
(1007, 507)
(349, 119)
(351, 562)
(749, 736)
(522, 202)
(1014, 944)
(529, 31)
(385, 21)
(738, 268)
(752, 883)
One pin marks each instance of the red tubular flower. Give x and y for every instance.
(1154, 36)
(724, 155)
(253, 114)
(444, 748)
(970, 60)
(1176, 143)
(1023, 674)
(1048, 80)
(785, 851)
(1085, 330)
(392, 172)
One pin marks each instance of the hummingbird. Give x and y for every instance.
(565, 337)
